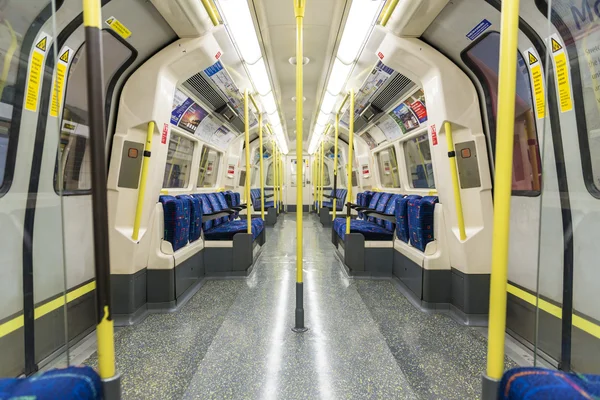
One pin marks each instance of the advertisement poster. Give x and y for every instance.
(221, 78)
(207, 129)
(390, 128)
(369, 139)
(222, 137)
(405, 118)
(192, 117)
(180, 104)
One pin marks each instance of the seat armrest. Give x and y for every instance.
(380, 215)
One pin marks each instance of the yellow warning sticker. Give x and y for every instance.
(561, 69)
(36, 66)
(58, 89)
(118, 27)
(537, 79)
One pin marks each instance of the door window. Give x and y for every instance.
(209, 167)
(179, 162)
(388, 168)
(483, 59)
(417, 155)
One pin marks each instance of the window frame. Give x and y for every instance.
(14, 131)
(110, 88)
(195, 144)
(220, 157)
(577, 89)
(379, 172)
(489, 112)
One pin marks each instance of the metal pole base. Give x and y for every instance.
(112, 388)
(299, 326)
(489, 388)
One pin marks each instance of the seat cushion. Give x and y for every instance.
(195, 207)
(227, 230)
(69, 383)
(370, 230)
(420, 221)
(217, 206)
(401, 212)
(538, 383)
(176, 221)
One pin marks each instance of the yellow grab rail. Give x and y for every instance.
(455, 184)
(212, 13)
(142, 191)
(299, 8)
(389, 10)
(350, 155)
(262, 177)
(502, 193)
(322, 172)
(247, 143)
(276, 175)
(335, 163)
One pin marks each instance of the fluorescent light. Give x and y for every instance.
(338, 77)
(240, 25)
(329, 101)
(360, 21)
(259, 76)
(268, 102)
(322, 119)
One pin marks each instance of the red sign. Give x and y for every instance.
(433, 135)
(165, 132)
(231, 169)
(420, 111)
(218, 55)
(380, 55)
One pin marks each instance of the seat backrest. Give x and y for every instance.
(195, 207)
(206, 209)
(224, 206)
(255, 197)
(380, 207)
(420, 221)
(390, 208)
(217, 206)
(233, 200)
(402, 216)
(341, 198)
(176, 220)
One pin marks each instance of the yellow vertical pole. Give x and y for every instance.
(502, 194)
(314, 179)
(281, 175)
(275, 176)
(455, 184)
(350, 155)
(299, 6)
(142, 190)
(335, 162)
(92, 21)
(262, 176)
(322, 172)
(247, 183)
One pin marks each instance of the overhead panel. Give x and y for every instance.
(396, 88)
(200, 86)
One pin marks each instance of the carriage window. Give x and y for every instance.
(209, 167)
(483, 59)
(388, 168)
(179, 162)
(326, 177)
(417, 154)
(270, 175)
(73, 161)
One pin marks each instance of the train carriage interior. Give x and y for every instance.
(299, 199)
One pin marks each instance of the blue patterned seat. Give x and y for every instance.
(363, 199)
(340, 195)
(420, 221)
(402, 216)
(222, 228)
(255, 197)
(537, 383)
(377, 229)
(176, 220)
(195, 207)
(82, 383)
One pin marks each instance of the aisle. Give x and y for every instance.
(234, 339)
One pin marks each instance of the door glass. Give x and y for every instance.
(388, 168)
(209, 167)
(417, 155)
(483, 59)
(179, 162)
(293, 172)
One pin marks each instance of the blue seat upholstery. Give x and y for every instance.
(402, 217)
(363, 199)
(377, 229)
(538, 383)
(380, 207)
(233, 200)
(82, 383)
(176, 220)
(227, 230)
(222, 228)
(195, 207)
(255, 197)
(340, 195)
(420, 221)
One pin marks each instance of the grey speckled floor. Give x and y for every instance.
(365, 340)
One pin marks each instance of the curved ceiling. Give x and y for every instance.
(276, 27)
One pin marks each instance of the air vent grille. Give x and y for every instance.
(393, 91)
(200, 86)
